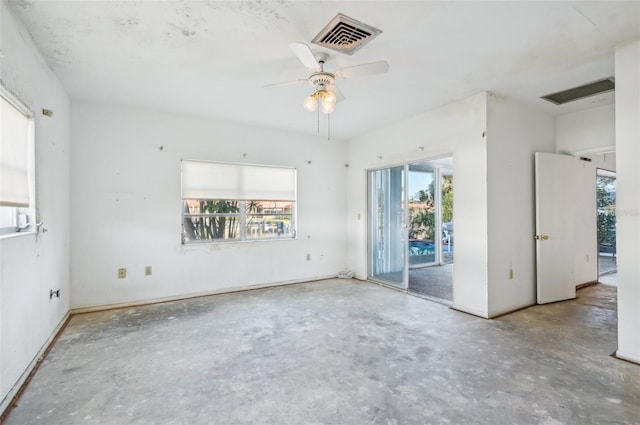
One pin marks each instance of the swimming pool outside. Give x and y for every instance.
(418, 247)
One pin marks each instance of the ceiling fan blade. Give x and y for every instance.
(287, 83)
(362, 70)
(335, 90)
(305, 55)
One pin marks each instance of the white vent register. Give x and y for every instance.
(345, 35)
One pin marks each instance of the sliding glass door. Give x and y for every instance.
(388, 229)
(423, 215)
(410, 221)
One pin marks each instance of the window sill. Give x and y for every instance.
(17, 235)
(228, 242)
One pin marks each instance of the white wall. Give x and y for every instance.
(586, 131)
(627, 66)
(514, 134)
(494, 201)
(456, 129)
(30, 266)
(592, 134)
(126, 206)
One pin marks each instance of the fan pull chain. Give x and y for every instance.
(318, 117)
(328, 126)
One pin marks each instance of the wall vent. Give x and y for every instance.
(590, 89)
(345, 35)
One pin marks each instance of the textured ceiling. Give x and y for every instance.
(211, 58)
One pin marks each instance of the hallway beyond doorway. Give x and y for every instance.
(610, 279)
(606, 264)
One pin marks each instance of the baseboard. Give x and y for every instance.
(509, 310)
(21, 383)
(586, 284)
(471, 311)
(194, 295)
(628, 357)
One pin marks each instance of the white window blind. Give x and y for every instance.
(215, 180)
(14, 156)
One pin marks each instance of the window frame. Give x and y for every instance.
(243, 215)
(22, 214)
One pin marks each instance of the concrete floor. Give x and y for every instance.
(336, 352)
(433, 281)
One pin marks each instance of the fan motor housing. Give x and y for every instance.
(322, 79)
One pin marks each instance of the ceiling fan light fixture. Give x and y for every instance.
(329, 97)
(310, 103)
(326, 93)
(328, 107)
(325, 98)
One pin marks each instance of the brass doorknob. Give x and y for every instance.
(541, 237)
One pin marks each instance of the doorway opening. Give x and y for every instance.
(411, 237)
(431, 240)
(606, 210)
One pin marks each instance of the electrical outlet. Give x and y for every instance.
(510, 273)
(147, 270)
(122, 273)
(308, 257)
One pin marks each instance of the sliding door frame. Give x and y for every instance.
(371, 220)
(403, 228)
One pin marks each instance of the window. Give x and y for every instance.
(17, 183)
(237, 202)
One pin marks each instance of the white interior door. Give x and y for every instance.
(555, 188)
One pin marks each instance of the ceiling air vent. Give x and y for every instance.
(345, 35)
(590, 89)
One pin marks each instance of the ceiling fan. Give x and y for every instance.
(326, 94)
